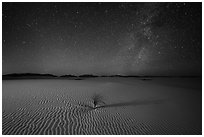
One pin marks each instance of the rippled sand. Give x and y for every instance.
(132, 106)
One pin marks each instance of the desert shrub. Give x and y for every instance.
(98, 100)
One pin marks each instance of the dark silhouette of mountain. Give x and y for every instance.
(146, 76)
(28, 76)
(87, 76)
(68, 76)
(80, 77)
(117, 75)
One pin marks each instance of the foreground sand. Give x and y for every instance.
(133, 106)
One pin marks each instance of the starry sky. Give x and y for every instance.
(102, 38)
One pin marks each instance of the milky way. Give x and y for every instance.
(102, 38)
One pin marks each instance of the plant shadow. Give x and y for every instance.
(133, 103)
(124, 104)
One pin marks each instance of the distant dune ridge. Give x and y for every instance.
(101, 106)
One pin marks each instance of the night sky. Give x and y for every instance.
(102, 38)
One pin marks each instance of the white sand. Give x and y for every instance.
(133, 106)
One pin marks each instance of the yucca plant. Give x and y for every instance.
(97, 100)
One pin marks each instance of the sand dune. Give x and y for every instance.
(64, 107)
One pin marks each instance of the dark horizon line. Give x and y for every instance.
(93, 75)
